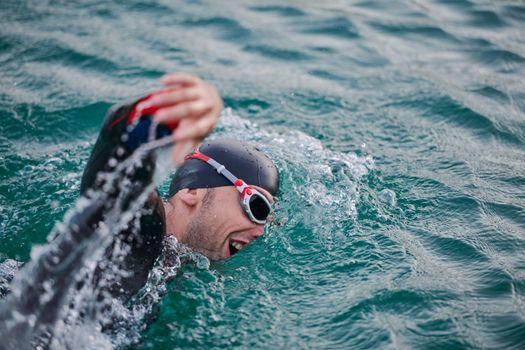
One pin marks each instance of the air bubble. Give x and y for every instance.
(388, 196)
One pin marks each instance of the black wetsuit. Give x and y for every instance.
(145, 239)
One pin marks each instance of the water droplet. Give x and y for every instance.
(388, 196)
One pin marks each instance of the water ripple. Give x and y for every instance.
(398, 127)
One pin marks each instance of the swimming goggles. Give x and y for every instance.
(253, 202)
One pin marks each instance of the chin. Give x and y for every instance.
(215, 256)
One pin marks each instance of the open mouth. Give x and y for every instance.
(235, 246)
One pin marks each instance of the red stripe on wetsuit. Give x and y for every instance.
(136, 113)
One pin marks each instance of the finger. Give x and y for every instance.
(146, 102)
(172, 97)
(181, 149)
(184, 110)
(197, 129)
(184, 79)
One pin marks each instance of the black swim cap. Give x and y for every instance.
(243, 160)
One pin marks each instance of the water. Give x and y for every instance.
(398, 127)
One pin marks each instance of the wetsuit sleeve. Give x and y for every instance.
(110, 140)
(145, 239)
(56, 267)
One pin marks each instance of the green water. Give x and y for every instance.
(398, 127)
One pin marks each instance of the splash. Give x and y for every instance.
(57, 300)
(325, 180)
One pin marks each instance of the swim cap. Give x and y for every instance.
(243, 160)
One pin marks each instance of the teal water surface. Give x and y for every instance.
(398, 127)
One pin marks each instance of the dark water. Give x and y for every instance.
(398, 126)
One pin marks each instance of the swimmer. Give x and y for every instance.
(221, 195)
(219, 200)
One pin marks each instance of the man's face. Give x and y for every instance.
(221, 228)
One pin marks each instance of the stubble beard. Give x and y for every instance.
(198, 234)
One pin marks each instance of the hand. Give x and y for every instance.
(191, 101)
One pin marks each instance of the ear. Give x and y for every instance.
(189, 196)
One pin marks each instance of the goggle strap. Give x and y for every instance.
(221, 169)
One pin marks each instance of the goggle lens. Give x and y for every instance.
(259, 208)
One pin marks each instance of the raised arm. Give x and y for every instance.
(186, 101)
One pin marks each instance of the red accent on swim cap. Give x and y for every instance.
(197, 155)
